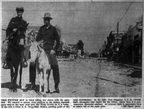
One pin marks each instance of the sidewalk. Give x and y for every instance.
(137, 66)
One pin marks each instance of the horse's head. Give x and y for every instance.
(35, 50)
(31, 35)
(18, 36)
(21, 35)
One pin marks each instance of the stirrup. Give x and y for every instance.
(5, 66)
(24, 64)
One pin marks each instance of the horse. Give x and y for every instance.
(43, 68)
(15, 56)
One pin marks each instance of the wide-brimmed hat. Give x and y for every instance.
(21, 9)
(47, 15)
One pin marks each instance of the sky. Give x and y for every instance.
(90, 22)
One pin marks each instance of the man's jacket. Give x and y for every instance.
(49, 36)
(16, 22)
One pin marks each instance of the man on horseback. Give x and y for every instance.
(48, 34)
(12, 31)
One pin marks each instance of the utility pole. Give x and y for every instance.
(117, 47)
(117, 29)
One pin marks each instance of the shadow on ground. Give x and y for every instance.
(28, 87)
(6, 85)
(135, 74)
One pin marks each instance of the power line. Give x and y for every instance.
(123, 15)
(125, 12)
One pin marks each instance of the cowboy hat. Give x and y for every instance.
(47, 15)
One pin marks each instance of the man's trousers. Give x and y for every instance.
(54, 66)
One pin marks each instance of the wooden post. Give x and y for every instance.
(117, 40)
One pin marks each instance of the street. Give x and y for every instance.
(82, 78)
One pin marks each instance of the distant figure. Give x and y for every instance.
(80, 46)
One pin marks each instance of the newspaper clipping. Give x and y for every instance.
(71, 54)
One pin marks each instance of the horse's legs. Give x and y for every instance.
(46, 84)
(20, 72)
(47, 80)
(11, 74)
(15, 79)
(40, 81)
(12, 78)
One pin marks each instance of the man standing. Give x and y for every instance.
(80, 46)
(12, 28)
(48, 34)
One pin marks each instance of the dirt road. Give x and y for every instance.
(82, 78)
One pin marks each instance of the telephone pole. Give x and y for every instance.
(117, 45)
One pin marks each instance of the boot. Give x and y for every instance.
(5, 66)
(32, 86)
(56, 88)
(48, 91)
(24, 64)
